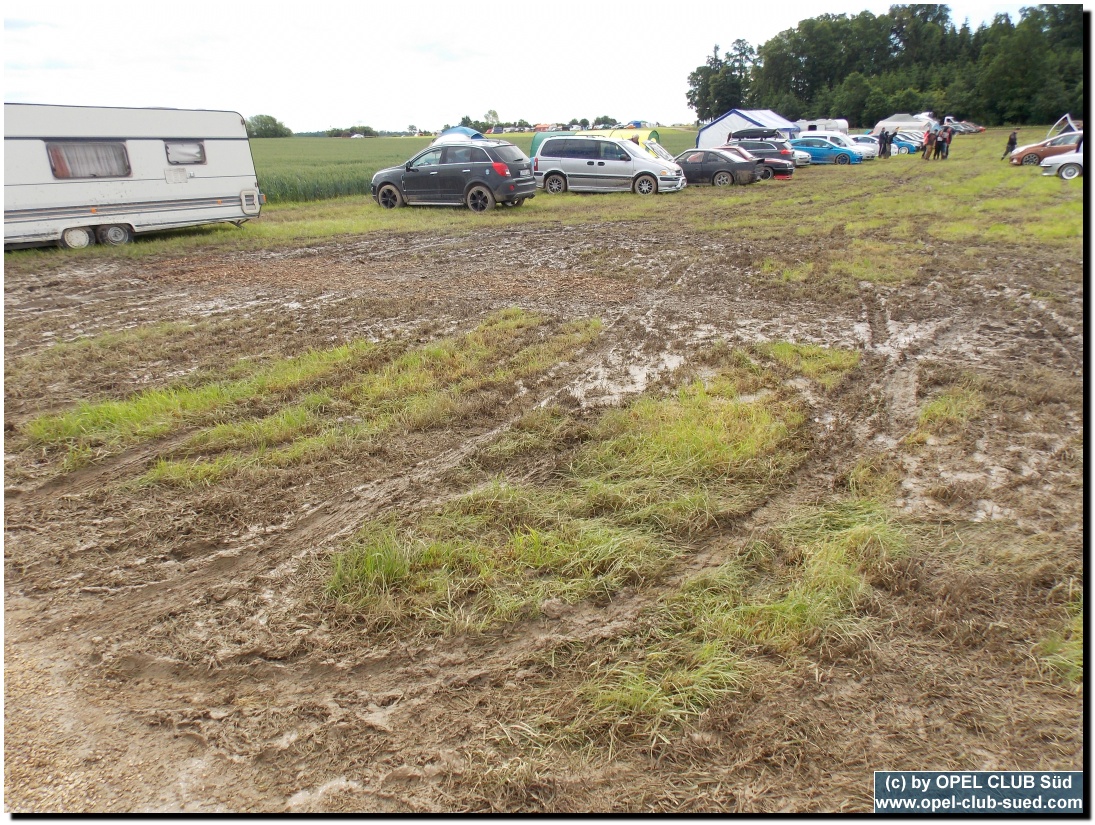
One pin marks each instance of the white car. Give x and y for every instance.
(866, 151)
(802, 158)
(867, 141)
(1068, 165)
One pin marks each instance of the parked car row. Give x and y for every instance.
(484, 173)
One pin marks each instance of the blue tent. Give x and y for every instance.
(461, 130)
(716, 132)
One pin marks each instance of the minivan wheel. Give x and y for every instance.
(480, 199)
(645, 185)
(723, 179)
(389, 197)
(555, 184)
(1070, 171)
(77, 237)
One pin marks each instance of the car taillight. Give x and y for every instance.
(536, 164)
(501, 168)
(786, 152)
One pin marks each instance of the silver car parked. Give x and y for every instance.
(590, 163)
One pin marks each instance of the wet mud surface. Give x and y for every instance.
(172, 649)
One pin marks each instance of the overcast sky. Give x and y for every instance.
(314, 65)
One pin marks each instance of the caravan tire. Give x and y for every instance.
(116, 235)
(77, 237)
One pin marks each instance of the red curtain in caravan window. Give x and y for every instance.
(88, 160)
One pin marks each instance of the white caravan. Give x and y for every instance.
(76, 175)
(824, 125)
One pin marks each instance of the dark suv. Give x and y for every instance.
(780, 149)
(479, 174)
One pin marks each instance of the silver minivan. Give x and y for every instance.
(589, 163)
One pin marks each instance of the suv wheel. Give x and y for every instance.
(480, 199)
(389, 197)
(555, 184)
(645, 185)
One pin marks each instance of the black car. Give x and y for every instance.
(479, 174)
(769, 150)
(762, 133)
(770, 167)
(717, 168)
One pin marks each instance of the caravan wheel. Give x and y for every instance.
(114, 235)
(77, 237)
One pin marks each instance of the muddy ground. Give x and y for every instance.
(172, 649)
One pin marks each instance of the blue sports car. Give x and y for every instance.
(822, 151)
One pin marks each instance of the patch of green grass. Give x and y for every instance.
(156, 412)
(539, 430)
(1064, 652)
(488, 558)
(836, 547)
(190, 474)
(825, 365)
(648, 475)
(712, 638)
(947, 413)
(417, 389)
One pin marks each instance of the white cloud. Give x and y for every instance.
(339, 63)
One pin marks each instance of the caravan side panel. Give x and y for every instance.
(164, 169)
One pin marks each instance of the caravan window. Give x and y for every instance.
(88, 159)
(184, 151)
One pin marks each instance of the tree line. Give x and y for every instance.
(490, 120)
(864, 68)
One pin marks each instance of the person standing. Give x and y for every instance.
(929, 143)
(882, 144)
(1013, 139)
(940, 142)
(947, 144)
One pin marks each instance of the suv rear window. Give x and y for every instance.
(510, 154)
